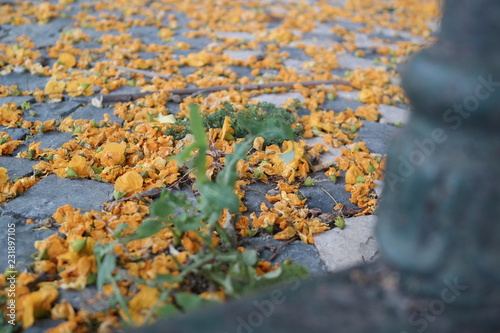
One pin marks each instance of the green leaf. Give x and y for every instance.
(167, 278)
(333, 178)
(118, 194)
(96, 169)
(250, 257)
(273, 274)
(162, 208)
(168, 310)
(308, 182)
(78, 245)
(25, 106)
(189, 301)
(105, 271)
(360, 179)
(371, 168)
(147, 229)
(331, 96)
(70, 173)
(339, 222)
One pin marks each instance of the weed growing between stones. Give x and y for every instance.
(216, 268)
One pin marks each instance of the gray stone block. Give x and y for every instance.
(255, 194)
(298, 252)
(15, 133)
(41, 35)
(241, 71)
(340, 104)
(17, 167)
(350, 62)
(317, 198)
(376, 136)
(91, 112)
(344, 248)
(295, 53)
(48, 111)
(24, 81)
(49, 139)
(24, 235)
(17, 99)
(278, 99)
(243, 55)
(246, 36)
(52, 192)
(393, 115)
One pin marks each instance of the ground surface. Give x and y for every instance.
(68, 149)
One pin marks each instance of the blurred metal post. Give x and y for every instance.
(440, 212)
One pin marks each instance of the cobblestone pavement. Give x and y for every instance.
(77, 43)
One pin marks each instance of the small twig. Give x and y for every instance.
(322, 189)
(142, 72)
(293, 239)
(189, 91)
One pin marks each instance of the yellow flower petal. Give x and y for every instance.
(129, 182)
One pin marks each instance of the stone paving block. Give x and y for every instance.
(397, 35)
(340, 104)
(147, 55)
(246, 36)
(295, 53)
(352, 95)
(343, 248)
(295, 64)
(317, 198)
(197, 44)
(363, 41)
(48, 111)
(52, 192)
(41, 35)
(24, 236)
(85, 299)
(352, 62)
(376, 135)
(88, 45)
(278, 99)
(147, 34)
(17, 99)
(348, 24)
(393, 115)
(298, 252)
(243, 55)
(50, 140)
(15, 133)
(173, 107)
(187, 70)
(24, 81)
(255, 194)
(17, 167)
(241, 71)
(91, 112)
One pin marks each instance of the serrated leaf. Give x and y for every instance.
(308, 182)
(339, 222)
